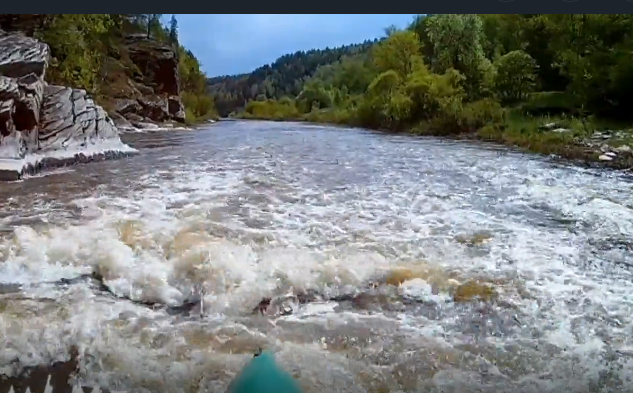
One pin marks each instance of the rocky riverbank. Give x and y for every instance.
(44, 125)
(612, 147)
(145, 92)
(588, 146)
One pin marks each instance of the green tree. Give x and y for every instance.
(173, 30)
(457, 43)
(390, 30)
(313, 95)
(153, 21)
(438, 96)
(400, 52)
(453, 73)
(594, 51)
(354, 73)
(74, 42)
(386, 104)
(515, 76)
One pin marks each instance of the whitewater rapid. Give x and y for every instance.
(257, 209)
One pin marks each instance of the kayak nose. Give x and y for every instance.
(263, 375)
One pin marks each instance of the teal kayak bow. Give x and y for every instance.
(263, 375)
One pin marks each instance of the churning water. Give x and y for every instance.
(396, 235)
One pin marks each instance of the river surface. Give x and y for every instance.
(256, 209)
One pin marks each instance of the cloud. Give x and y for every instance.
(231, 44)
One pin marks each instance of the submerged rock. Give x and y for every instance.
(472, 290)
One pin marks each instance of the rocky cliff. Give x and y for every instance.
(44, 125)
(144, 84)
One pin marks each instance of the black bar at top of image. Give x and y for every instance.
(429, 7)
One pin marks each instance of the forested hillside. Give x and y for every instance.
(90, 51)
(285, 77)
(498, 77)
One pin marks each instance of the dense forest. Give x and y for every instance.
(498, 77)
(88, 51)
(283, 78)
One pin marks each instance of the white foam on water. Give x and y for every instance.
(93, 149)
(154, 128)
(153, 244)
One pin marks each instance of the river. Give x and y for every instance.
(259, 209)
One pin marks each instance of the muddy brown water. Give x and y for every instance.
(465, 267)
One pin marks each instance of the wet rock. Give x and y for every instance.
(45, 126)
(71, 119)
(21, 99)
(371, 297)
(154, 109)
(134, 118)
(604, 157)
(121, 122)
(624, 149)
(308, 296)
(472, 290)
(277, 306)
(398, 276)
(605, 148)
(191, 303)
(126, 106)
(374, 301)
(176, 109)
(474, 239)
(262, 306)
(145, 126)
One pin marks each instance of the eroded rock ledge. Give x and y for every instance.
(150, 97)
(43, 125)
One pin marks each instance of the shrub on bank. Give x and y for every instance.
(198, 107)
(284, 109)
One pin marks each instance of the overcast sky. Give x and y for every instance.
(234, 44)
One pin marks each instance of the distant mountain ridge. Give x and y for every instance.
(284, 77)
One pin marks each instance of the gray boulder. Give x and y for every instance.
(43, 125)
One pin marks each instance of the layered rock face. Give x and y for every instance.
(153, 95)
(43, 125)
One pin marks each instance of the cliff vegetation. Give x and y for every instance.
(132, 64)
